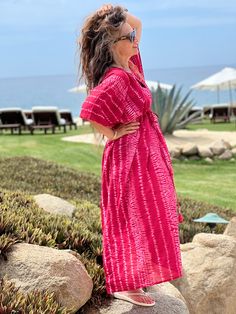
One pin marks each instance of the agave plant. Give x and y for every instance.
(172, 109)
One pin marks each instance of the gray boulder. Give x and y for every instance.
(168, 301)
(231, 228)
(32, 266)
(233, 151)
(227, 144)
(227, 154)
(218, 147)
(190, 149)
(175, 152)
(54, 204)
(204, 152)
(209, 281)
(194, 157)
(209, 160)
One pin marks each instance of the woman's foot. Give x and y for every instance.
(137, 296)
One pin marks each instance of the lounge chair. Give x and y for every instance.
(47, 118)
(14, 119)
(67, 115)
(218, 112)
(28, 113)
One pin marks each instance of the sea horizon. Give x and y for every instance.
(52, 89)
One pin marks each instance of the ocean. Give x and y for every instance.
(52, 90)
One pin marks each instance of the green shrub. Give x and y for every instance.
(37, 176)
(21, 220)
(6, 241)
(192, 209)
(14, 301)
(33, 225)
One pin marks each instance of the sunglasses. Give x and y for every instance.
(131, 36)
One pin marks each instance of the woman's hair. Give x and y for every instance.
(94, 44)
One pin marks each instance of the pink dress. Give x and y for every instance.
(141, 245)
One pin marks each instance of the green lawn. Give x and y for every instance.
(206, 124)
(81, 156)
(214, 183)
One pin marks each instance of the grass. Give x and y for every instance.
(80, 156)
(206, 124)
(25, 174)
(214, 183)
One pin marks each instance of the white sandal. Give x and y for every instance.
(121, 296)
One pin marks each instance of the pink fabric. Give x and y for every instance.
(141, 244)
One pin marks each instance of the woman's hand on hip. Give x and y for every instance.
(127, 128)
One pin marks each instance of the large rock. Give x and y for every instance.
(218, 147)
(209, 160)
(175, 152)
(227, 144)
(190, 149)
(231, 228)
(209, 281)
(233, 151)
(54, 204)
(32, 266)
(194, 157)
(204, 152)
(226, 155)
(168, 301)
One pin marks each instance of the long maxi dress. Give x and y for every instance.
(141, 245)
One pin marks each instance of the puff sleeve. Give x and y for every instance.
(106, 102)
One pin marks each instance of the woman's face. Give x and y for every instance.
(125, 48)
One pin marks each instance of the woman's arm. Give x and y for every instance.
(136, 23)
(123, 129)
(108, 132)
(132, 20)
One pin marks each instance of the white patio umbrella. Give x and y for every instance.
(223, 80)
(151, 84)
(154, 85)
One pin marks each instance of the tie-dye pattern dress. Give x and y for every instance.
(140, 225)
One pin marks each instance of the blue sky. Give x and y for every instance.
(38, 37)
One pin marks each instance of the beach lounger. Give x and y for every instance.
(14, 119)
(46, 118)
(217, 112)
(67, 115)
(28, 113)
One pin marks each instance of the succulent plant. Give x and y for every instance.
(12, 300)
(21, 220)
(172, 109)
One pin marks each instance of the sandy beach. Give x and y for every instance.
(200, 137)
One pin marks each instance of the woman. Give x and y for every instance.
(138, 200)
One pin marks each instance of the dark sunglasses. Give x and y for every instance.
(131, 36)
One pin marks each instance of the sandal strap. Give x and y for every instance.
(135, 293)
